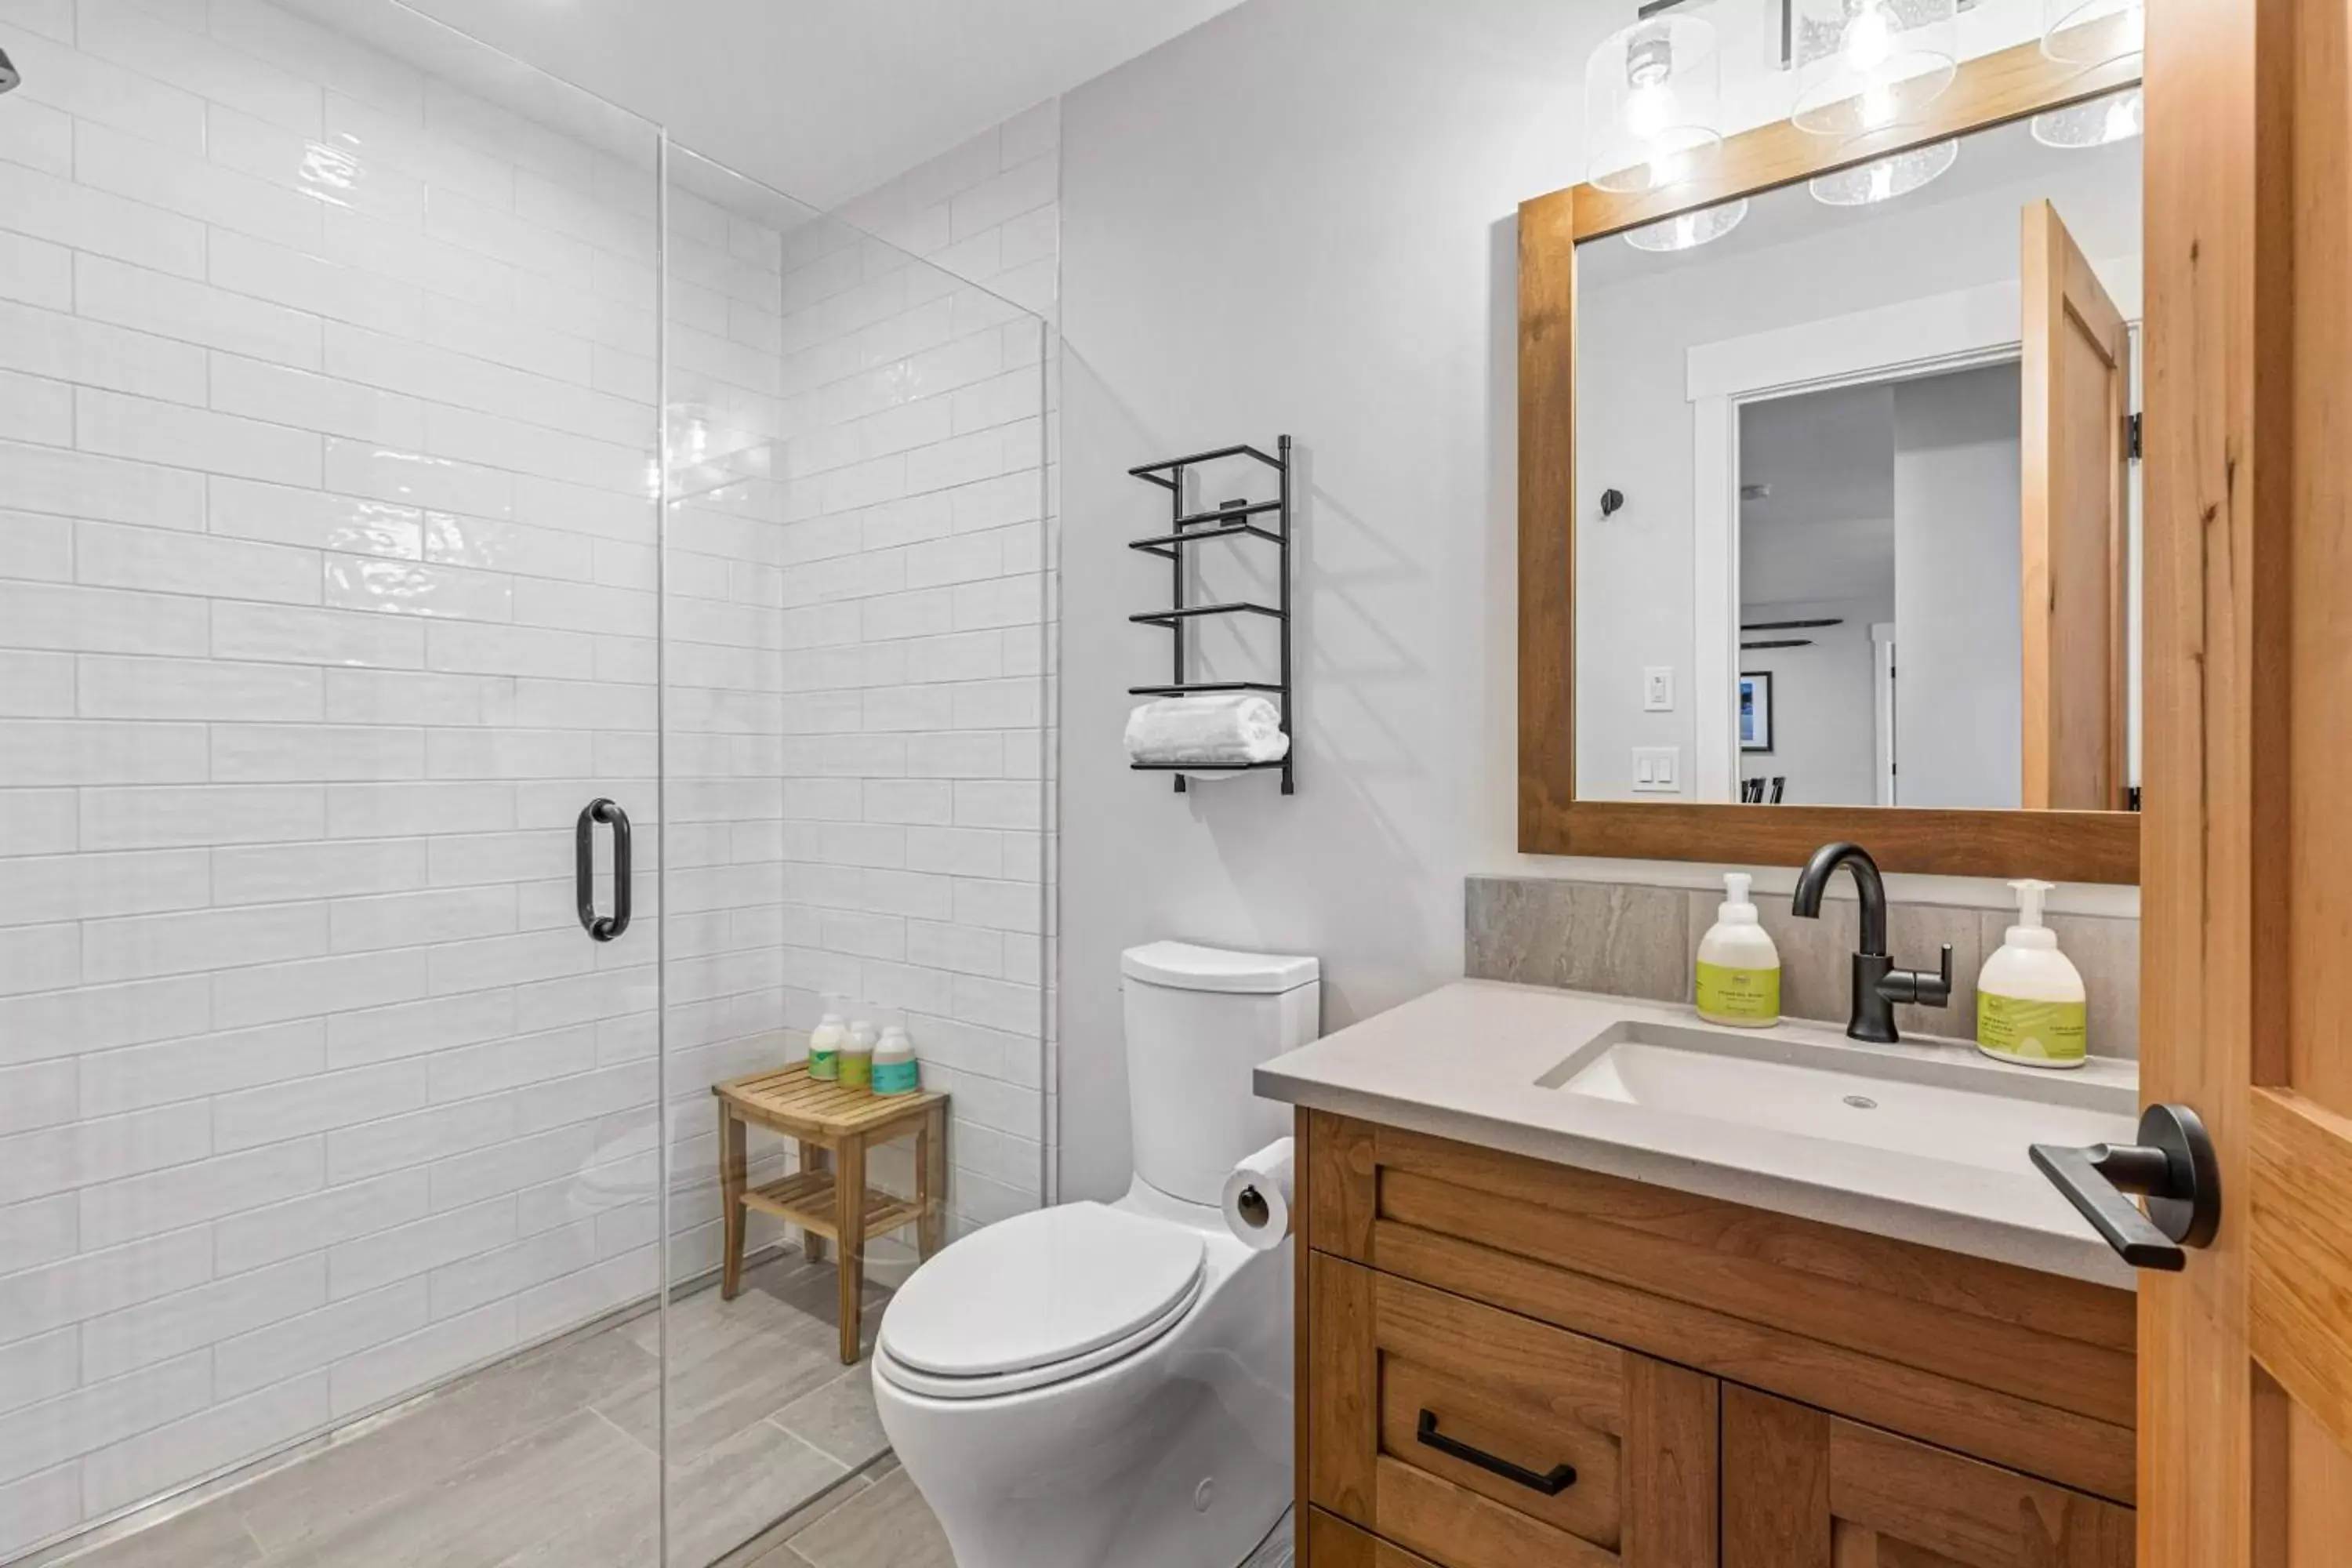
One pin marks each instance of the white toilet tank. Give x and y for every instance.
(1199, 1019)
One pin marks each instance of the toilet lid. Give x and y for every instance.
(1041, 1288)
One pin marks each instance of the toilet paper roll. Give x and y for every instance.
(1257, 1197)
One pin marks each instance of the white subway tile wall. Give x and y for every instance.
(917, 560)
(328, 595)
(329, 592)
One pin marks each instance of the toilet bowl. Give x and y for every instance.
(1092, 1439)
(1103, 1385)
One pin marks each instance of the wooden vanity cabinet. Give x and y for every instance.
(1504, 1362)
(1480, 1438)
(1804, 1489)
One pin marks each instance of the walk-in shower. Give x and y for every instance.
(400, 450)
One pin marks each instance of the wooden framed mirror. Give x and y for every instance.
(1827, 505)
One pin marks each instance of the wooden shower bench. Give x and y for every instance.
(827, 1198)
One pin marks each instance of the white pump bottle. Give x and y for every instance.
(2031, 1008)
(1739, 976)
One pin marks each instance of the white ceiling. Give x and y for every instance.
(1824, 455)
(1827, 529)
(823, 99)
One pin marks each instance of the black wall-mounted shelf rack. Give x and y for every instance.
(1232, 519)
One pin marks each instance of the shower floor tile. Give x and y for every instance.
(548, 1460)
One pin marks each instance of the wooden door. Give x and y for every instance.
(1804, 1489)
(2075, 453)
(2246, 1355)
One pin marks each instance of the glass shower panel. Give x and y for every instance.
(330, 600)
(854, 710)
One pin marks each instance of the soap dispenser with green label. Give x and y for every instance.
(2030, 1007)
(1739, 978)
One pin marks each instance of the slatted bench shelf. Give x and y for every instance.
(827, 1198)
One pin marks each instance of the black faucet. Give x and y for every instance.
(1878, 984)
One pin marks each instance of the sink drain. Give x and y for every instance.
(1861, 1102)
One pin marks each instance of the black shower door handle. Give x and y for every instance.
(602, 928)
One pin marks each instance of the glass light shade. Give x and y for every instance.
(1884, 179)
(2092, 32)
(1653, 103)
(1688, 231)
(2118, 117)
(1866, 65)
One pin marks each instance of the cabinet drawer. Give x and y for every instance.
(1326, 1540)
(1804, 1489)
(2021, 1368)
(1481, 1439)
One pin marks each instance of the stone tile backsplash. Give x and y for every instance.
(1627, 939)
(1616, 937)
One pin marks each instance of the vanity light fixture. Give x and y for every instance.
(1688, 231)
(2092, 32)
(1652, 103)
(2088, 33)
(2118, 117)
(1884, 179)
(1866, 65)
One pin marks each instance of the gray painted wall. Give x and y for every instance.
(1301, 218)
(1824, 734)
(1958, 627)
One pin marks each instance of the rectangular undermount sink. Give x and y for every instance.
(1944, 1104)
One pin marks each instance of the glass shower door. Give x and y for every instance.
(854, 701)
(329, 1142)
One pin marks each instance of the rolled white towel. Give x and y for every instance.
(1222, 729)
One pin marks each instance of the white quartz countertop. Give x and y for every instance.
(1469, 1061)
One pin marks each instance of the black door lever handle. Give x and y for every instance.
(601, 928)
(2172, 1166)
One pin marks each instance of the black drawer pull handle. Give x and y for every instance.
(1559, 1479)
(602, 928)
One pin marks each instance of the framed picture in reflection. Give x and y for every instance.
(1756, 711)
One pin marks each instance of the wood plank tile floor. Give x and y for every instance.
(878, 1519)
(548, 1460)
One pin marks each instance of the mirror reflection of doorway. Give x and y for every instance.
(1873, 510)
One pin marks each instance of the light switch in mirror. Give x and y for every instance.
(1874, 440)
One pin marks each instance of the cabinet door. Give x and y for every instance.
(1326, 1542)
(1479, 1438)
(1804, 1489)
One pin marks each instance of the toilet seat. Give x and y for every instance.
(1040, 1298)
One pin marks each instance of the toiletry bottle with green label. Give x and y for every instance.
(2030, 1007)
(857, 1056)
(825, 1047)
(895, 1070)
(1739, 979)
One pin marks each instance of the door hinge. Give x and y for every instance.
(2132, 436)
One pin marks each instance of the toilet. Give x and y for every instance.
(1110, 1383)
